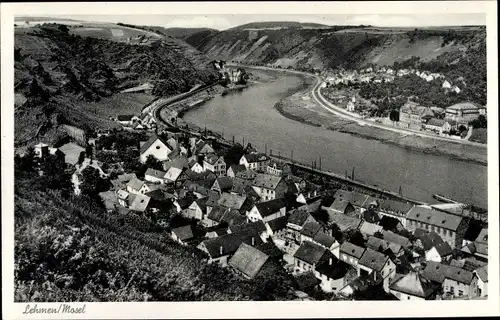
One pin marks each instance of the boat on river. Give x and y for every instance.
(443, 198)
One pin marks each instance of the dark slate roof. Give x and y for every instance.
(324, 239)
(217, 213)
(231, 201)
(202, 203)
(155, 173)
(269, 207)
(213, 197)
(278, 223)
(343, 221)
(151, 140)
(267, 181)
(298, 217)
(237, 168)
(395, 206)
(434, 271)
(229, 243)
(310, 229)
(444, 249)
(418, 233)
(135, 184)
(435, 217)
(430, 239)
(184, 233)
(332, 267)
(377, 244)
(240, 186)
(438, 272)
(186, 201)
(248, 260)
(250, 228)
(352, 249)
(234, 218)
(225, 183)
(340, 205)
(212, 158)
(307, 280)
(396, 238)
(415, 285)
(459, 275)
(482, 273)
(373, 259)
(309, 252)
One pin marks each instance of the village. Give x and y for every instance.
(337, 241)
(452, 121)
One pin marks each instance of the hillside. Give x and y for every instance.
(332, 47)
(57, 66)
(67, 248)
(277, 25)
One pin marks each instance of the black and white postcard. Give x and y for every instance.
(274, 159)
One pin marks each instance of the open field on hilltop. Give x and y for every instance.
(120, 103)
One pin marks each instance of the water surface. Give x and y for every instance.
(250, 115)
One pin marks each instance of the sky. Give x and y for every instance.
(226, 21)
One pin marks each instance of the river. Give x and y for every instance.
(250, 115)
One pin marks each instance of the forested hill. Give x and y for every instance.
(335, 46)
(55, 63)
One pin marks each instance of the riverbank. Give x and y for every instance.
(300, 107)
(177, 110)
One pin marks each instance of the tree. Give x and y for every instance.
(89, 151)
(26, 163)
(81, 157)
(92, 183)
(480, 122)
(379, 235)
(355, 237)
(63, 28)
(153, 163)
(54, 175)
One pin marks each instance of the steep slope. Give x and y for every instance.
(68, 248)
(332, 47)
(56, 67)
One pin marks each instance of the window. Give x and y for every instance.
(157, 147)
(460, 293)
(432, 228)
(452, 289)
(408, 297)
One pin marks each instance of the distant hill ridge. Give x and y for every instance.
(290, 45)
(55, 64)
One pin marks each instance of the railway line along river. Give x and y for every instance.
(251, 115)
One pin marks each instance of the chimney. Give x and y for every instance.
(220, 250)
(253, 241)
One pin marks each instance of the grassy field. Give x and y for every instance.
(120, 103)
